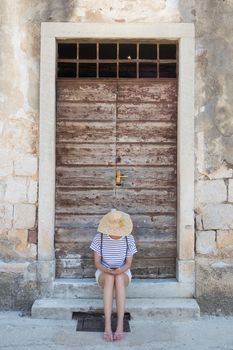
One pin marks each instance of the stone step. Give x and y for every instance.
(161, 308)
(139, 288)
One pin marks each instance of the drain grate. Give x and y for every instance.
(94, 322)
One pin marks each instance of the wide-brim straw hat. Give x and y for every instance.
(116, 223)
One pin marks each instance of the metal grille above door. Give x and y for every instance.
(109, 126)
(119, 60)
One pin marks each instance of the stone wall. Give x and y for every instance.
(214, 158)
(19, 122)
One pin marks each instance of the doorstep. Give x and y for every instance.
(158, 308)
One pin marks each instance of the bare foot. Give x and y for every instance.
(118, 335)
(108, 336)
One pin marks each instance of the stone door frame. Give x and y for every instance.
(184, 33)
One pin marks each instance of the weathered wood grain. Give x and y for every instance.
(96, 132)
(146, 111)
(71, 235)
(92, 177)
(163, 92)
(157, 223)
(151, 268)
(84, 201)
(155, 249)
(99, 201)
(164, 132)
(85, 154)
(146, 201)
(105, 177)
(89, 91)
(86, 111)
(145, 177)
(70, 220)
(131, 125)
(146, 154)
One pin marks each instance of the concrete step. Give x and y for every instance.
(139, 288)
(172, 308)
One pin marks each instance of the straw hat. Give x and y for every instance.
(116, 223)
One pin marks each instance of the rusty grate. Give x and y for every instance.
(94, 322)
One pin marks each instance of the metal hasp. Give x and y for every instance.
(119, 177)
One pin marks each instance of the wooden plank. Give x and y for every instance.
(156, 249)
(146, 201)
(160, 91)
(145, 177)
(96, 132)
(83, 92)
(81, 154)
(158, 223)
(75, 250)
(70, 220)
(151, 268)
(163, 132)
(77, 235)
(92, 177)
(69, 268)
(152, 249)
(86, 111)
(143, 154)
(147, 111)
(84, 201)
(154, 268)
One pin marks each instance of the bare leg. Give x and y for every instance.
(106, 281)
(121, 281)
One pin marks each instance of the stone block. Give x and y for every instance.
(207, 191)
(32, 192)
(205, 242)
(217, 216)
(230, 191)
(19, 287)
(19, 235)
(6, 168)
(185, 271)
(198, 219)
(224, 239)
(186, 246)
(46, 270)
(16, 190)
(24, 216)
(6, 215)
(26, 165)
(28, 251)
(2, 191)
(223, 172)
(214, 285)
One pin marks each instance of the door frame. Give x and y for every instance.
(184, 33)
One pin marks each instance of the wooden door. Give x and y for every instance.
(103, 127)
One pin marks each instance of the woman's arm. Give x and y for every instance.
(125, 267)
(101, 267)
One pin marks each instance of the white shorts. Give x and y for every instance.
(98, 273)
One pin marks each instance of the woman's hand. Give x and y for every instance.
(118, 271)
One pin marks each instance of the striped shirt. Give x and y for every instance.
(113, 250)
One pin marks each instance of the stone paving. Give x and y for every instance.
(19, 332)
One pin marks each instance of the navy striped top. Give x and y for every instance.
(113, 250)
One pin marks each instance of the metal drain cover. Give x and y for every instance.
(94, 322)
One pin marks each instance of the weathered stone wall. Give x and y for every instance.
(19, 122)
(214, 156)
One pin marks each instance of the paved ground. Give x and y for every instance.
(21, 333)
